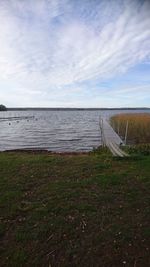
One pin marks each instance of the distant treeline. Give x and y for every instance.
(2, 108)
(30, 108)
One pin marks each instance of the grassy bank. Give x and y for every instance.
(74, 210)
(138, 127)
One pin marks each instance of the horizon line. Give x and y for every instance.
(78, 107)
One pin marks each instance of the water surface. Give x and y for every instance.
(54, 130)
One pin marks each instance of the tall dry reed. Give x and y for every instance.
(138, 127)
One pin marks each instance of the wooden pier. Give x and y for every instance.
(18, 118)
(111, 139)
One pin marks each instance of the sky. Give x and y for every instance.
(75, 53)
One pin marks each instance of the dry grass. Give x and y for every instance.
(138, 127)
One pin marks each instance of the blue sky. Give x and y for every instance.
(75, 53)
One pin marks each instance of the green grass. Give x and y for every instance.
(74, 210)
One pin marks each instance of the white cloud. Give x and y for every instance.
(52, 44)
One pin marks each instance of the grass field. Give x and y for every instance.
(74, 210)
(138, 127)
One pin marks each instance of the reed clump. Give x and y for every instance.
(138, 131)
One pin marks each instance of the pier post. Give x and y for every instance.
(126, 133)
(101, 130)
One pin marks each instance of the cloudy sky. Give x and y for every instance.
(75, 53)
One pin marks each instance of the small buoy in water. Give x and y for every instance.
(9, 123)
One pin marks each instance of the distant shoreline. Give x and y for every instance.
(73, 109)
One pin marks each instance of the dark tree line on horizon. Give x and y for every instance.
(2, 108)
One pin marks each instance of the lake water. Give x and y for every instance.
(53, 130)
